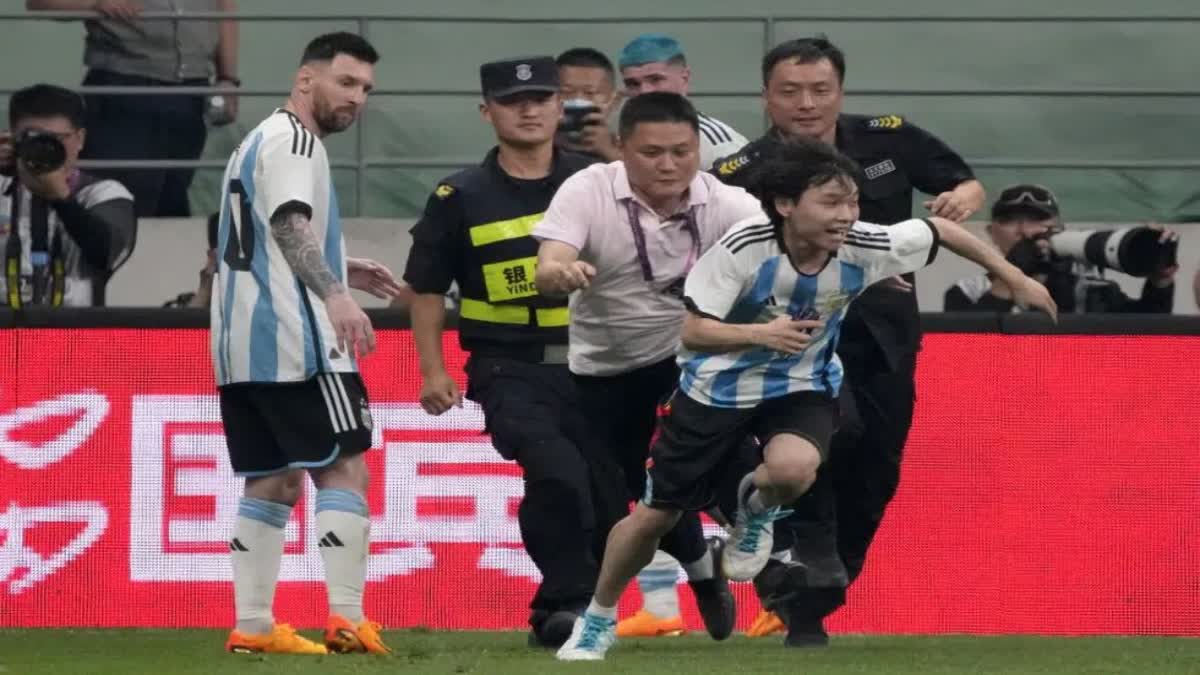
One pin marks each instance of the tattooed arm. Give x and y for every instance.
(292, 231)
(300, 247)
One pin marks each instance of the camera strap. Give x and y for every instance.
(639, 239)
(45, 255)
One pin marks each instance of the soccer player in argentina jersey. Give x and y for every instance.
(285, 336)
(765, 305)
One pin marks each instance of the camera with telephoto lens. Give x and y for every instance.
(1062, 259)
(1135, 251)
(40, 151)
(575, 111)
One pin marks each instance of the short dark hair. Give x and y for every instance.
(326, 47)
(586, 57)
(657, 106)
(46, 100)
(789, 168)
(805, 50)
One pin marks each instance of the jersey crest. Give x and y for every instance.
(443, 191)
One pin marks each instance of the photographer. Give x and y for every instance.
(1026, 227)
(63, 232)
(588, 86)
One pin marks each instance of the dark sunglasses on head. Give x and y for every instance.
(1034, 196)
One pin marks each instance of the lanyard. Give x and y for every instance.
(639, 239)
(45, 256)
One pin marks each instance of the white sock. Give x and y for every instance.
(256, 551)
(751, 498)
(343, 533)
(701, 569)
(606, 612)
(657, 582)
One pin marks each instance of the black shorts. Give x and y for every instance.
(698, 444)
(271, 428)
(624, 412)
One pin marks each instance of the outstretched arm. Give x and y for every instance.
(1026, 291)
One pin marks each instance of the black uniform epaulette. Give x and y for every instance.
(734, 163)
(883, 123)
(455, 182)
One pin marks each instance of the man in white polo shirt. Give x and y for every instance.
(627, 233)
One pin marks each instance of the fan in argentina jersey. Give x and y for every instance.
(748, 278)
(266, 326)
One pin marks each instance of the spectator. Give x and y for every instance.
(64, 232)
(202, 296)
(588, 86)
(122, 50)
(1024, 219)
(655, 62)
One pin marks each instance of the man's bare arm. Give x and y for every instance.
(293, 233)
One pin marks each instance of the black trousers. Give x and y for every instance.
(533, 415)
(146, 126)
(623, 410)
(833, 525)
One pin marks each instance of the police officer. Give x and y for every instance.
(475, 231)
(802, 92)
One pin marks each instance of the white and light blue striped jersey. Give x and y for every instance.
(266, 325)
(748, 278)
(717, 140)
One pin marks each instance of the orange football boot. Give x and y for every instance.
(343, 637)
(283, 639)
(645, 624)
(766, 623)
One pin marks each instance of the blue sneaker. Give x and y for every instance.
(590, 639)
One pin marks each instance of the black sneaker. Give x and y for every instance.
(713, 597)
(779, 582)
(551, 630)
(809, 633)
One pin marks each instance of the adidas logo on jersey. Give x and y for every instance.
(330, 540)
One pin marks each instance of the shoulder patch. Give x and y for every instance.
(443, 191)
(732, 165)
(885, 122)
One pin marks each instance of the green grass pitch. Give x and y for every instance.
(54, 652)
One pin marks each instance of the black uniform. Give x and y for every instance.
(878, 346)
(475, 231)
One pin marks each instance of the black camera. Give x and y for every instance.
(1135, 251)
(574, 113)
(40, 151)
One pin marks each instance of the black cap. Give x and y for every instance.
(1026, 198)
(512, 76)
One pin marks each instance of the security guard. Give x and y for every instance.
(476, 231)
(802, 91)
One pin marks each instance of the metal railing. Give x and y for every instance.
(768, 24)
